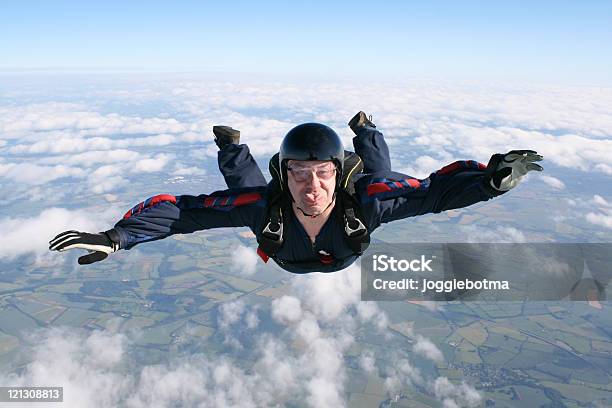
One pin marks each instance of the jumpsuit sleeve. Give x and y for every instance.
(393, 196)
(163, 215)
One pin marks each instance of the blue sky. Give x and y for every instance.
(564, 42)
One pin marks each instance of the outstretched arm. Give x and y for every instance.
(457, 185)
(163, 215)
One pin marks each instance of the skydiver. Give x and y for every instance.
(322, 204)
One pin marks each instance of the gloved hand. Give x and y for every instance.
(505, 171)
(99, 245)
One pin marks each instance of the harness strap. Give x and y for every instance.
(271, 238)
(262, 255)
(357, 235)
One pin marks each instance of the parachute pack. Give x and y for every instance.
(271, 237)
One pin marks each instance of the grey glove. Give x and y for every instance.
(505, 171)
(99, 245)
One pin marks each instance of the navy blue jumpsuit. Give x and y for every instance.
(383, 195)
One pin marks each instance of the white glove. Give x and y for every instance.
(505, 171)
(98, 245)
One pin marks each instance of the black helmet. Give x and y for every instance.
(311, 141)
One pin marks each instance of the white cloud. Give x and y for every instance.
(231, 313)
(156, 163)
(604, 168)
(462, 395)
(189, 171)
(574, 151)
(603, 220)
(313, 373)
(367, 362)
(32, 235)
(428, 349)
(106, 184)
(553, 182)
(103, 179)
(329, 295)
(324, 394)
(157, 140)
(93, 157)
(440, 122)
(34, 174)
(600, 201)
(477, 234)
(308, 328)
(161, 386)
(286, 309)
(326, 384)
(280, 367)
(106, 179)
(449, 403)
(91, 369)
(479, 142)
(84, 366)
(251, 319)
(105, 171)
(77, 117)
(603, 216)
(105, 349)
(244, 260)
(192, 137)
(423, 166)
(402, 374)
(60, 142)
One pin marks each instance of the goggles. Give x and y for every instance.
(302, 173)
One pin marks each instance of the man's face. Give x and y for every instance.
(312, 184)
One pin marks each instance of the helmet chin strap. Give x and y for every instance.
(314, 215)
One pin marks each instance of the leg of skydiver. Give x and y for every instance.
(235, 160)
(369, 144)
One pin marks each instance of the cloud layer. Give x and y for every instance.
(31, 235)
(304, 364)
(71, 160)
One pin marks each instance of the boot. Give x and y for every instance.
(360, 120)
(225, 135)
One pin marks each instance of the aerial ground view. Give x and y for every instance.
(199, 319)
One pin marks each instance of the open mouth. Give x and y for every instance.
(312, 199)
